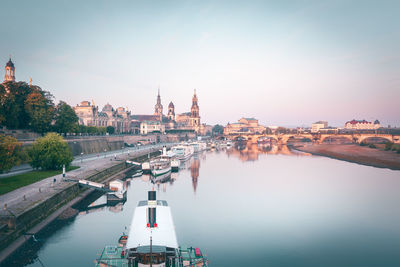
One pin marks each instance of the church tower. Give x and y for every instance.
(158, 108)
(10, 72)
(194, 113)
(171, 111)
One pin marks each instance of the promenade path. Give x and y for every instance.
(23, 168)
(23, 198)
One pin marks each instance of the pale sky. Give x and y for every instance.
(284, 62)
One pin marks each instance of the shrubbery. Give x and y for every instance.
(10, 152)
(50, 152)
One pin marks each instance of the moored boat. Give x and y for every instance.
(118, 191)
(182, 152)
(160, 165)
(151, 241)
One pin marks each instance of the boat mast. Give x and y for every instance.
(151, 251)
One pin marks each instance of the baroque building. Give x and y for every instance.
(362, 125)
(158, 108)
(10, 72)
(171, 111)
(244, 126)
(194, 120)
(90, 115)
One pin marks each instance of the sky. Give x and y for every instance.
(287, 63)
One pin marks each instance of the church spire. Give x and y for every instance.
(10, 71)
(158, 108)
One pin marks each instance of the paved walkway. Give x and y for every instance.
(23, 168)
(25, 197)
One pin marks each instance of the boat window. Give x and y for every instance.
(156, 258)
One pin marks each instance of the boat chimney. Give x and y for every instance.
(164, 150)
(151, 212)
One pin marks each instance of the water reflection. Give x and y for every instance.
(250, 152)
(194, 172)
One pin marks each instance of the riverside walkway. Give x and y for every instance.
(21, 199)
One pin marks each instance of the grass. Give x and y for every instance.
(11, 183)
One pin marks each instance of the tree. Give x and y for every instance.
(10, 153)
(50, 152)
(218, 129)
(110, 129)
(66, 121)
(40, 108)
(12, 108)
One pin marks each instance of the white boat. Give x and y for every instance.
(175, 163)
(118, 191)
(198, 146)
(146, 167)
(151, 241)
(182, 152)
(160, 165)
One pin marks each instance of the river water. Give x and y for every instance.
(249, 208)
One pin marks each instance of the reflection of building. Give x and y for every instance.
(362, 125)
(10, 72)
(244, 126)
(315, 127)
(194, 172)
(90, 115)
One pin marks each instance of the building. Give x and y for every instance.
(188, 121)
(158, 108)
(362, 125)
(171, 111)
(244, 126)
(9, 72)
(194, 120)
(151, 126)
(90, 115)
(317, 126)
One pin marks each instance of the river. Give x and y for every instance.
(252, 207)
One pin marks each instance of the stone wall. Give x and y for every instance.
(17, 225)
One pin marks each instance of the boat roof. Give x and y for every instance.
(163, 235)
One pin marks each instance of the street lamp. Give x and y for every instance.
(105, 150)
(81, 157)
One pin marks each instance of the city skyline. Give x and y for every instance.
(288, 64)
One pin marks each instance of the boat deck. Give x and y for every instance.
(112, 256)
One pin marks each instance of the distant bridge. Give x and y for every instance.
(316, 138)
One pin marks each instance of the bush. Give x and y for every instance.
(110, 129)
(388, 146)
(50, 153)
(363, 144)
(371, 146)
(10, 153)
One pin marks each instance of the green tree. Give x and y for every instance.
(66, 121)
(217, 129)
(40, 109)
(110, 129)
(12, 108)
(50, 152)
(10, 153)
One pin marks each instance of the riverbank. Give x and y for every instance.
(356, 154)
(30, 208)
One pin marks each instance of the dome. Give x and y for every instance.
(171, 105)
(108, 107)
(10, 64)
(377, 122)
